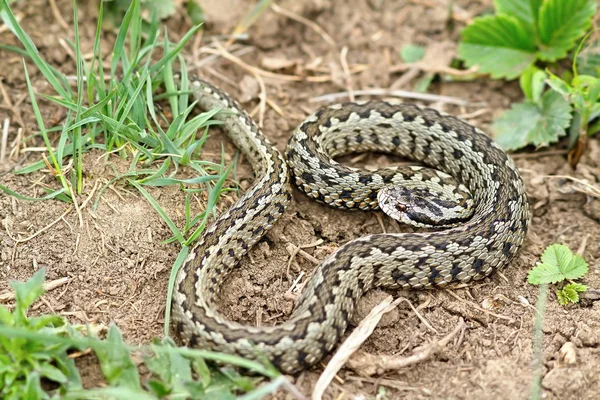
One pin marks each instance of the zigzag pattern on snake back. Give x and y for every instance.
(469, 250)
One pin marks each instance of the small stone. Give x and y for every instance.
(568, 354)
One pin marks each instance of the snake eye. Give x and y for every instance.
(401, 207)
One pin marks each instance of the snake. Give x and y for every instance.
(464, 189)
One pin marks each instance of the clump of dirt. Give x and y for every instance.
(118, 266)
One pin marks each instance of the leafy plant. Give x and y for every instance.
(540, 120)
(24, 363)
(509, 44)
(523, 32)
(35, 362)
(559, 264)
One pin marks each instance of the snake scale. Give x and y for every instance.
(465, 170)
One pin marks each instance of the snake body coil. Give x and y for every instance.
(470, 249)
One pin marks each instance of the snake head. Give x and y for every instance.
(424, 207)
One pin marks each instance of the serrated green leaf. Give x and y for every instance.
(529, 123)
(578, 287)
(557, 255)
(560, 86)
(411, 53)
(563, 297)
(558, 264)
(524, 10)
(544, 273)
(561, 23)
(500, 45)
(576, 269)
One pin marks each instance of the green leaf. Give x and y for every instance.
(529, 123)
(411, 53)
(194, 11)
(561, 23)
(500, 45)
(558, 264)
(423, 84)
(172, 368)
(116, 363)
(51, 372)
(557, 255)
(28, 292)
(544, 273)
(576, 269)
(570, 293)
(163, 9)
(532, 83)
(578, 287)
(524, 10)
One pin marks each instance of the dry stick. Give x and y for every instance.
(8, 296)
(591, 189)
(58, 15)
(347, 74)
(421, 318)
(369, 364)
(312, 25)
(4, 141)
(350, 345)
(394, 93)
(540, 154)
(258, 71)
(433, 69)
(213, 57)
(262, 105)
(475, 306)
(75, 203)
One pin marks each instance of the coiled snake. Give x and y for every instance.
(486, 219)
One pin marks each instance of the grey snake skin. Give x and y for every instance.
(467, 172)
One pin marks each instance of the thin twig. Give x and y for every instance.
(475, 306)
(540, 154)
(262, 105)
(369, 364)
(350, 345)
(426, 67)
(51, 285)
(4, 141)
(251, 68)
(347, 74)
(58, 15)
(312, 25)
(393, 93)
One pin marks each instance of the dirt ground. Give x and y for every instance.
(118, 268)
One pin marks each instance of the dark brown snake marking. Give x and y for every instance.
(469, 250)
